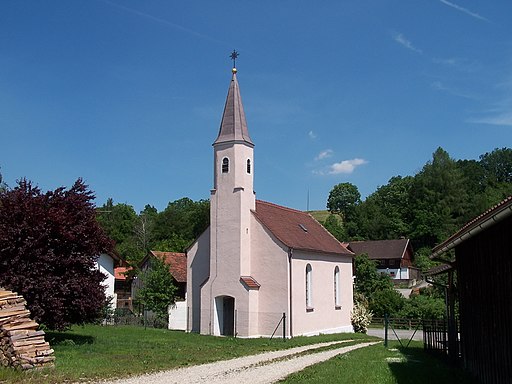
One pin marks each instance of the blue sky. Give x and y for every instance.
(129, 95)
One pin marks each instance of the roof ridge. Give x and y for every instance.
(470, 226)
(283, 207)
(374, 241)
(485, 213)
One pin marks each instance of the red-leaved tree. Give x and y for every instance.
(49, 245)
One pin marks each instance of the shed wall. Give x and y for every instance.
(484, 265)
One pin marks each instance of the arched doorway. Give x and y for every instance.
(225, 307)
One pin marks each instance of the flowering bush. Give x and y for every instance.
(361, 316)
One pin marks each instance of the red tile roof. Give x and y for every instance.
(297, 229)
(120, 272)
(250, 282)
(380, 249)
(177, 263)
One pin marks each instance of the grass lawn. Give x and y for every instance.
(376, 364)
(94, 352)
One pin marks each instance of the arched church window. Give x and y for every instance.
(249, 166)
(337, 301)
(225, 165)
(309, 292)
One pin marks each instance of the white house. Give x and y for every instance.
(394, 257)
(259, 265)
(106, 264)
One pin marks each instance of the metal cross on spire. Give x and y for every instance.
(233, 56)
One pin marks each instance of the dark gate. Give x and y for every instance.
(228, 320)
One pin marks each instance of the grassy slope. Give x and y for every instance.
(93, 352)
(320, 216)
(377, 364)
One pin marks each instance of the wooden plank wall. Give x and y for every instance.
(484, 267)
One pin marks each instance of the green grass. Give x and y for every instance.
(320, 215)
(94, 352)
(376, 364)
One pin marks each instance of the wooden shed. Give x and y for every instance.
(483, 260)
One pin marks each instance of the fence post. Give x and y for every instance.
(284, 326)
(386, 323)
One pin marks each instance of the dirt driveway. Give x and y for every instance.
(257, 369)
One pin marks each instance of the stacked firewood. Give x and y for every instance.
(21, 344)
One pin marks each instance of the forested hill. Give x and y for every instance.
(426, 208)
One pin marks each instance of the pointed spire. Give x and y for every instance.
(233, 126)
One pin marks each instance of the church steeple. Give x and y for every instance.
(233, 127)
(232, 198)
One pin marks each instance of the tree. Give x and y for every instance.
(333, 225)
(423, 307)
(119, 222)
(438, 200)
(144, 228)
(368, 279)
(376, 287)
(497, 165)
(386, 302)
(3, 186)
(158, 290)
(343, 199)
(383, 215)
(49, 245)
(181, 222)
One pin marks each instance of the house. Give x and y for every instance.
(177, 263)
(259, 266)
(394, 257)
(123, 287)
(482, 259)
(106, 264)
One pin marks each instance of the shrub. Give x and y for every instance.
(361, 316)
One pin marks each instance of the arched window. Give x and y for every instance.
(225, 165)
(309, 292)
(249, 166)
(337, 301)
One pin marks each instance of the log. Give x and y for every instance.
(21, 344)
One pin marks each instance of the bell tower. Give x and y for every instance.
(232, 197)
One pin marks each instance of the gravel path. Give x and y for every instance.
(257, 369)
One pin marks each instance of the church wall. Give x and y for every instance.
(269, 266)
(323, 316)
(198, 270)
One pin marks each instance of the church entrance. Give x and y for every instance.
(225, 315)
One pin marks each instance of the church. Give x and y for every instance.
(260, 266)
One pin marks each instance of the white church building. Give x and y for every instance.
(260, 264)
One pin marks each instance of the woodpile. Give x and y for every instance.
(21, 344)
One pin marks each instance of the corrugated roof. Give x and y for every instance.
(297, 229)
(177, 263)
(233, 126)
(380, 249)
